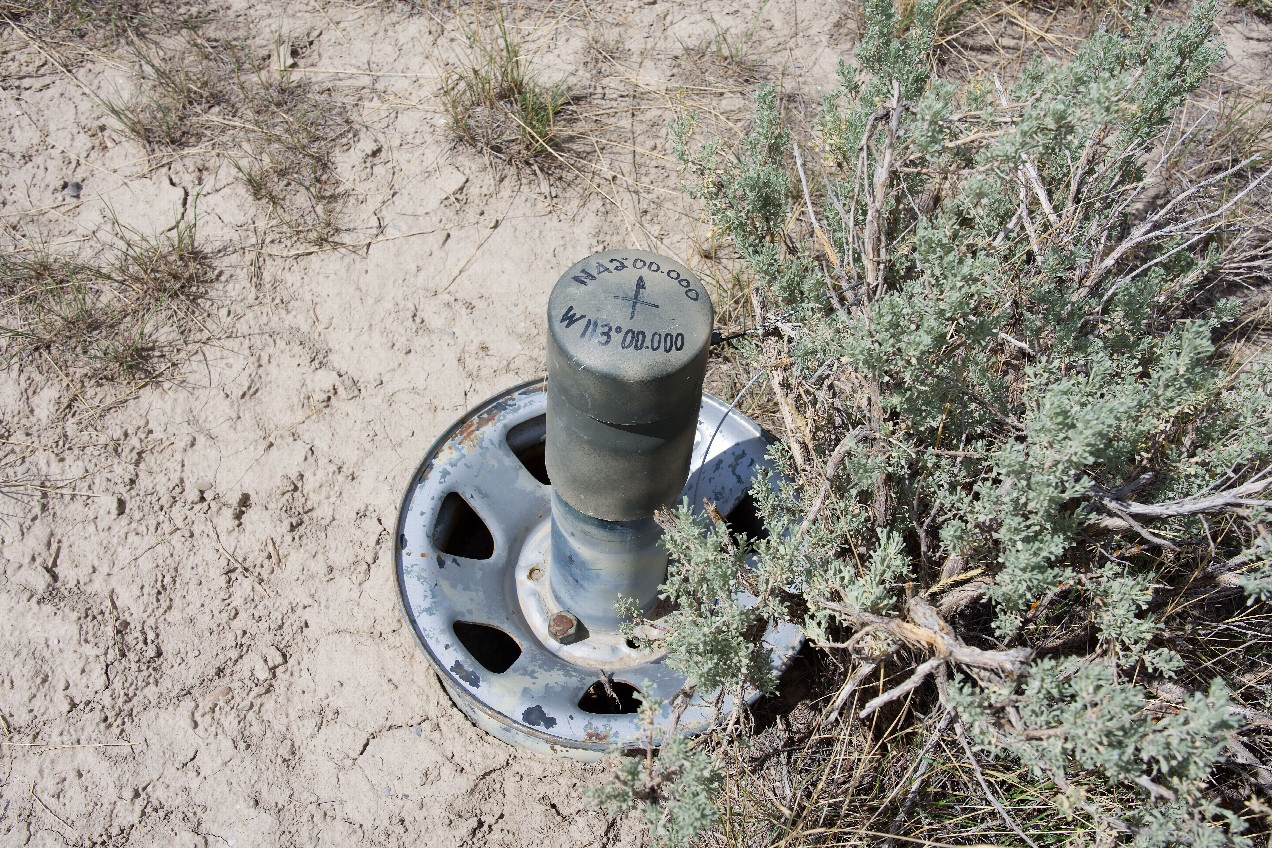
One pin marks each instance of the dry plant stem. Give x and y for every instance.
(914, 681)
(784, 404)
(56, 746)
(874, 255)
(1262, 775)
(713, 512)
(1146, 231)
(812, 216)
(926, 629)
(848, 688)
(989, 793)
(606, 684)
(1031, 170)
(1128, 513)
(46, 809)
(920, 770)
(874, 250)
(828, 476)
(680, 702)
(1171, 695)
(1061, 782)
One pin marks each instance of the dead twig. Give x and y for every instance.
(46, 809)
(812, 216)
(828, 476)
(913, 682)
(713, 512)
(832, 715)
(989, 793)
(926, 629)
(1128, 515)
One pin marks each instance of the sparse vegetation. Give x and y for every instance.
(179, 94)
(101, 21)
(207, 86)
(1259, 7)
(733, 55)
(126, 313)
(496, 103)
(277, 130)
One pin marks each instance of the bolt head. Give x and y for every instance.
(562, 626)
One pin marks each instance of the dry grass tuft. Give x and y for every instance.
(495, 103)
(126, 315)
(178, 93)
(1262, 8)
(729, 56)
(83, 23)
(278, 131)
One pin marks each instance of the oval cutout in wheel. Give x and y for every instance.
(493, 649)
(528, 441)
(460, 531)
(598, 701)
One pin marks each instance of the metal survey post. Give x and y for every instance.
(531, 517)
(628, 336)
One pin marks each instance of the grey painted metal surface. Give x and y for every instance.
(482, 616)
(594, 562)
(628, 337)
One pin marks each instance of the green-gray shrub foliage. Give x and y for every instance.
(675, 791)
(1001, 317)
(715, 644)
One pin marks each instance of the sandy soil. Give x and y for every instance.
(198, 615)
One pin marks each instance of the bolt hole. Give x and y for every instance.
(459, 530)
(493, 649)
(599, 702)
(744, 518)
(633, 644)
(528, 441)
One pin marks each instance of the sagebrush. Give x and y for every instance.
(1023, 481)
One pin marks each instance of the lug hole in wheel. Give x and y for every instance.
(599, 702)
(460, 531)
(493, 649)
(528, 442)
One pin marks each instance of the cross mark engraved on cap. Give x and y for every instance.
(635, 298)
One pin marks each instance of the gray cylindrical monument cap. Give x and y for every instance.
(611, 319)
(628, 339)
